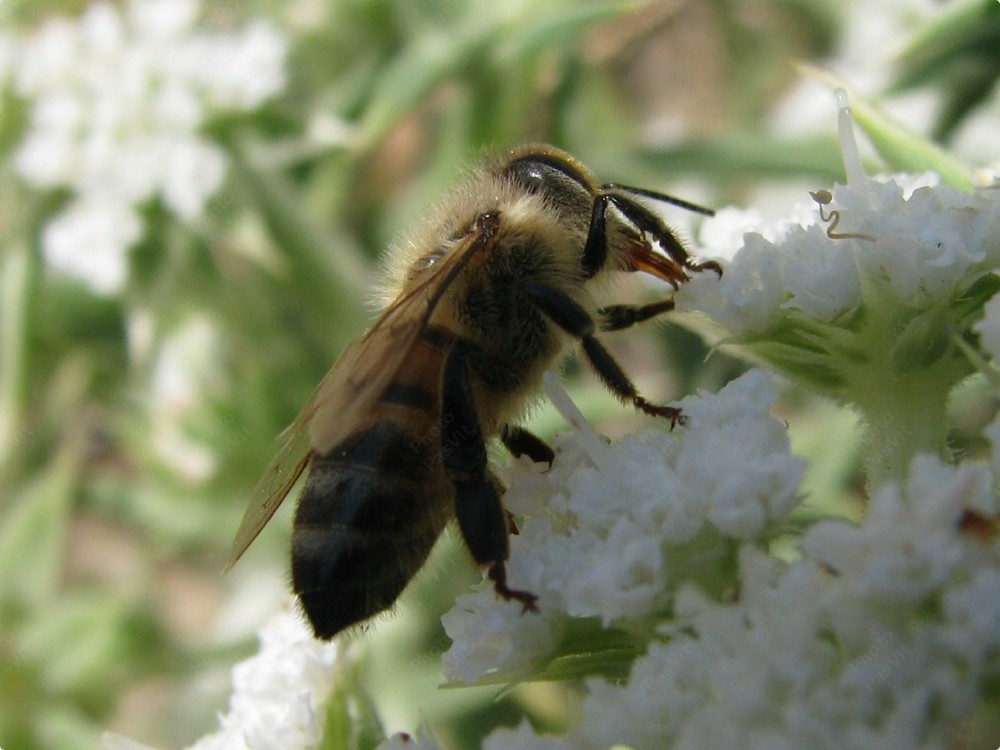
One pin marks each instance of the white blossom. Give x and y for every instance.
(87, 239)
(595, 543)
(921, 244)
(184, 371)
(908, 545)
(279, 693)
(848, 647)
(117, 102)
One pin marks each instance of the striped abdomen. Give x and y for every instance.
(374, 506)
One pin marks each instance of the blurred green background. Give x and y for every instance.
(135, 421)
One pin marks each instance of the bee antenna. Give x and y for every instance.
(662, 197)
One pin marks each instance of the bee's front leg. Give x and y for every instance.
(481, 516)
(617, 317)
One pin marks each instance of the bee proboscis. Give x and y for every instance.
(489, 293)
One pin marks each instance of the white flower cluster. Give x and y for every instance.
(901, 239)
(279, 694)
(605, 543)
(879, 637)
(117, 102)
(184, 374)
(869, 296)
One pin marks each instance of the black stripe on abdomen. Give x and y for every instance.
(410, 396)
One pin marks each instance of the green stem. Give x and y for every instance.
(903, 415)
(16, 274)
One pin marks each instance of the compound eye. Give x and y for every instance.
(528, 173)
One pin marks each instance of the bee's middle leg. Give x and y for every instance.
(481, 516)
(567, 313)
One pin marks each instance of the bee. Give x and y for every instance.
(487, 295)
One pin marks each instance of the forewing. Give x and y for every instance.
(354, 384)
(278, 479)
(344, 398)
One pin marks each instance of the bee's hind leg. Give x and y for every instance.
(521, 442)
(481, 516)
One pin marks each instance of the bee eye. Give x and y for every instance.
(545, 172)
(528, 173)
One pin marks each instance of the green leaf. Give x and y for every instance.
(33, 535)
(750, 156)
(958, 52)
(352, 722)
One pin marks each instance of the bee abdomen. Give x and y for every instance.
(365, 523)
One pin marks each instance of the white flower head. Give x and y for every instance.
(279, 693)
(596, 543)
(908, 546)
(184, 371)
(922, 247)
(486, 637)
(117, 100)
(845, 648)
(86, 241)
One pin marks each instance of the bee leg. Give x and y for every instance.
(481, 516)
(520, 442)
(616, 317)
(567, 313)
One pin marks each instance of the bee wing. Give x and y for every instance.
(278, 479)
(349, 393)
(355, 383)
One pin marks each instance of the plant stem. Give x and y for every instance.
(903, 414)
(16, 274)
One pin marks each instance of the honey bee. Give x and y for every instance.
(486, 296)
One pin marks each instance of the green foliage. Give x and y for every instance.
(959, 54)
(113, 485)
